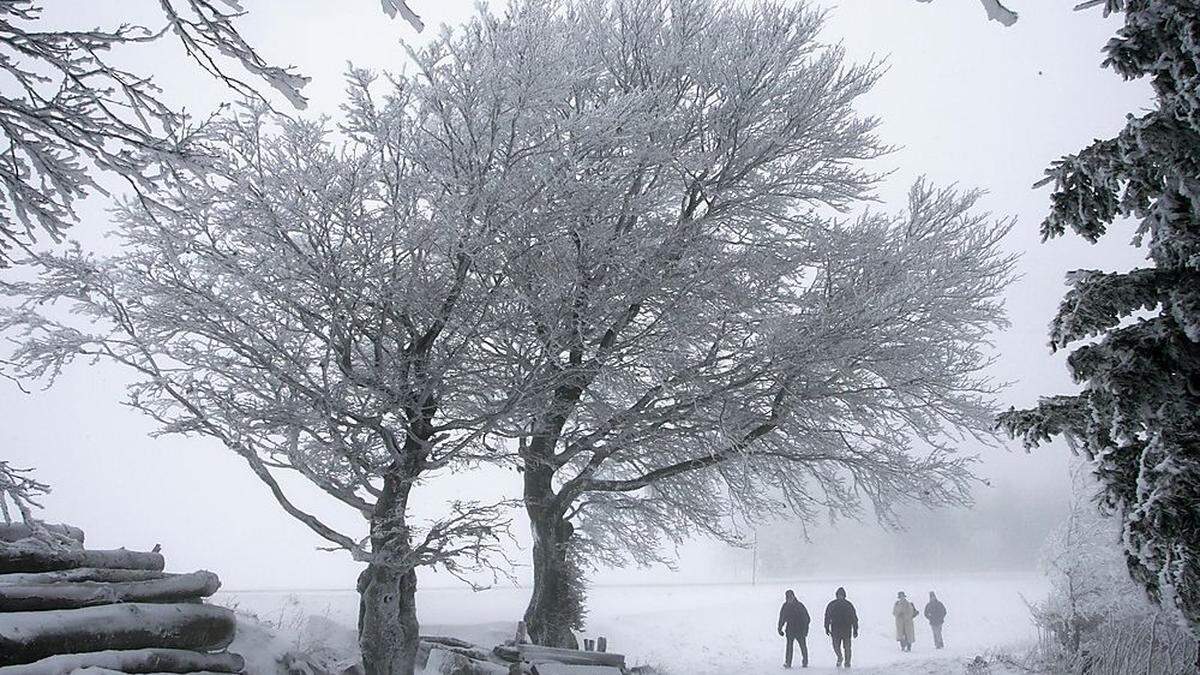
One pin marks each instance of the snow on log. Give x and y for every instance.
(132, 661)
(94, 670)
(80, 574)
(564, 669)
(29, 636)
(18, 531)
(26, 556)
(443, 661)
(538, 654)
(180, 588)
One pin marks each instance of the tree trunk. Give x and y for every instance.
(556, 604)
(388, 631)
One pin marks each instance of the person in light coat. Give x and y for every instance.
(904, 612)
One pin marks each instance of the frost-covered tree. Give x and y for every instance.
(321, 310)
(1088, 581)
(70, 114)
(714, 337)
(1136, 334)
(1096, 619)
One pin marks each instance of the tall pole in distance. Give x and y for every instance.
(754, 561)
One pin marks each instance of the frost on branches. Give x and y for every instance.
(714, 336)
(70, 115)
(319, 310)
(1137, 334)
(996, 11)
(19, 493)
(1095, 619)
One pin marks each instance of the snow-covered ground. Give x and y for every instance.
(712, 629)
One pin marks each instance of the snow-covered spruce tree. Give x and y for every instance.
(319, 310)
(713, 338)
(1137, 333)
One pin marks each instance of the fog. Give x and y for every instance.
(965, 101)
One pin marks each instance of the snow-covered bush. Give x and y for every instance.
(1096, 619)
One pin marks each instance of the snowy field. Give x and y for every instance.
(710, 629)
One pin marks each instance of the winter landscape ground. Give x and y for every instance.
(701, 629)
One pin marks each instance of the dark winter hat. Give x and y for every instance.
(841, 592)
(790, 595)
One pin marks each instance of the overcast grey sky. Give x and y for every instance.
(967, 100)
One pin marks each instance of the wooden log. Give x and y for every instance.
(448, 641)
(507, 653)
(92, 670)
(537, 654)
(18, 531)
(80, 574)
(446, 662)
(132, 661)
(565, 669)
(29, 636)
(29, 557)
(181, 588)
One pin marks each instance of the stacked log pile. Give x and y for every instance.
(66, 609)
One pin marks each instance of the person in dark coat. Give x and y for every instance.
(935, 612)
(794, 617)
(841, 622)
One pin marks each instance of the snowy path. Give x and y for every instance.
(725, 629)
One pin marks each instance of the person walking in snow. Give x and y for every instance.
(841, 621)
(793, 616)
(904, 612)
(935, 612)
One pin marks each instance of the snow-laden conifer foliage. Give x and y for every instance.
(1137, 334)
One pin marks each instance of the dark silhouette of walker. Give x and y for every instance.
(793, 616)
(841, 624)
